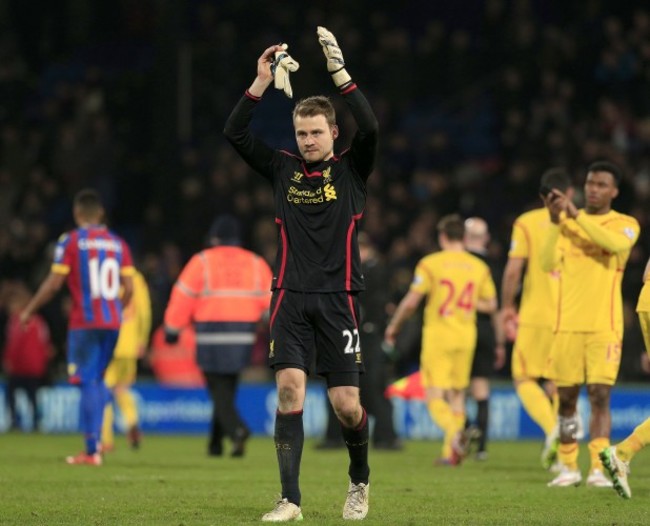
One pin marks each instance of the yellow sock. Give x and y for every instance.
(128, 407)
(537, 405)
(442, 415)
(458, 424)
(459, 421)
(567, 454)
(596, 446)
(634, 443)
(107, 426)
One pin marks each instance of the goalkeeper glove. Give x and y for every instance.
(281, 67)
(332, 52)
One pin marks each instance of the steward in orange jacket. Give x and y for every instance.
(224, 292)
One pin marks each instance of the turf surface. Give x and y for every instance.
(171, 481)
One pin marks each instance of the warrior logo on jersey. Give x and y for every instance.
(297, 177)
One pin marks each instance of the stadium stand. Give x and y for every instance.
(474, 103)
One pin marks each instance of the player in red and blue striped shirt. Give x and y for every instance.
(96, 265)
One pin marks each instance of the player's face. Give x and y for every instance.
(315, 138)
(600, 191)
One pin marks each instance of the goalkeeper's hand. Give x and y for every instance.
(332, 52)
(282, 65)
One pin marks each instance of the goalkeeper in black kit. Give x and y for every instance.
(319, 200)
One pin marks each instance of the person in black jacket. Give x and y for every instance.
(319, 200)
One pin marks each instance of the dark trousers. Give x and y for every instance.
(30, 385)
(225, 418)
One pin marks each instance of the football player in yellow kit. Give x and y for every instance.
(536, 315)
(121, 372)
(616, 459)
(456, 285)
(590, 248)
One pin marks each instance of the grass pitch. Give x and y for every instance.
(171, 481)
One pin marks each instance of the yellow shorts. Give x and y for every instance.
(121, 371)
(585, 357)
(447, 365)
(644, 321)
(531, 351)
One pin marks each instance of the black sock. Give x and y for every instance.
(289, 438)
(482, 422)
(357, 442)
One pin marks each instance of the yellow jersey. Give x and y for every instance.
(590, 252)
(643, 305)
(136, 321)
(538, 302)
(453, 282)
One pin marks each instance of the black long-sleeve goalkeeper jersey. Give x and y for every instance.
(317, 205)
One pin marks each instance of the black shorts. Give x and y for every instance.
(320, 328)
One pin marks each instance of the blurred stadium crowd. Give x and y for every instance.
(475, 99)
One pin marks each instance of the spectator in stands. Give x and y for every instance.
(27, 352)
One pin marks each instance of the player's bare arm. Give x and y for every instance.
(405, 310)
(127, 288)
(45, 293)
(509, 287)
(486, 306)
(500, 339)
(511, 282)
(264, 74)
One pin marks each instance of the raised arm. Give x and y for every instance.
(556, 203)
(363, 150)
(611, 240)
(254, 151)
(364, 145)
(264, 74)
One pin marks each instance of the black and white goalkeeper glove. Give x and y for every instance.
(281, 67)
(332, 52)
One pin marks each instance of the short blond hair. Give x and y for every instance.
(315, 105)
